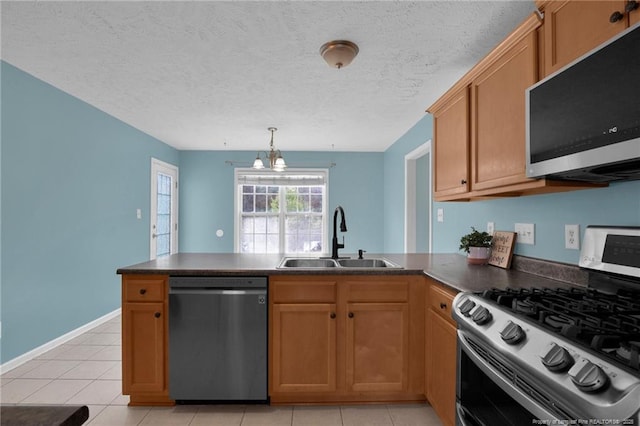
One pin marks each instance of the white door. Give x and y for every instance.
(164, 209)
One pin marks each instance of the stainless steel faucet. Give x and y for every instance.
(343, 228)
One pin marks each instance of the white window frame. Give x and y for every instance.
(239, 173)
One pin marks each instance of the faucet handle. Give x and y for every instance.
(360, 252)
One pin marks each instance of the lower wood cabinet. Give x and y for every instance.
(304, 344)
(377, 346)
(441, 352)
(144, 339)
(346, 338)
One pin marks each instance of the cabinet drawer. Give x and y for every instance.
(144, 289)
(303, 291)
(385, 291)
(441, 302)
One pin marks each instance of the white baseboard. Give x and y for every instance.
(34, 353)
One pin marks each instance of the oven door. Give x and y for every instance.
(485, 391)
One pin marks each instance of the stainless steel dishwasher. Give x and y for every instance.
(218, 339)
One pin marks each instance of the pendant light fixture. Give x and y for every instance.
(339, 53)
(276, 162)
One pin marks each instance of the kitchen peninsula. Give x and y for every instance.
(374, 334)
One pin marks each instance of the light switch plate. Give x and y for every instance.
(526, 233)
(490, 228)
(440, 215)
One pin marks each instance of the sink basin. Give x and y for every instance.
(367, 263)
(301, 262)
(311, 262)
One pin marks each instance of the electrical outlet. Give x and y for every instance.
(572, 237)
(139, 213)
(526, 233)
(490, 228)
(440, 215)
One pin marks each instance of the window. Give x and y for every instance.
(281, 212)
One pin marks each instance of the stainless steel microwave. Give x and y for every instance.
(583, 122)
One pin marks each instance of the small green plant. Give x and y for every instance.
(475, 239)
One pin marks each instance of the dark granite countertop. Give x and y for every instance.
(449, 269)
(43, 415)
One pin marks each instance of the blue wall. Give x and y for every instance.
(394, 192)
(206, 196)
(619, 204)
(72, 179)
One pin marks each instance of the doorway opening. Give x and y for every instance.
(418, 200)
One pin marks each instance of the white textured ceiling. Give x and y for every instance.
(213, 75)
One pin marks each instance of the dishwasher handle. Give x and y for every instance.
(217, 291)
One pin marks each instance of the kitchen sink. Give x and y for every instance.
(302, 262)
(366, 263)
(314, 262)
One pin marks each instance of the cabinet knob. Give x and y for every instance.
(350, 314)
(157, 315)
(631, 6)
(463, 182)
(443, 305)
(615, 17)
(143, 290)
(332, 315)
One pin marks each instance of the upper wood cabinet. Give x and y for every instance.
(451, 150)
(479, 124)
(634, 15)
(498, 120)
(573, 27)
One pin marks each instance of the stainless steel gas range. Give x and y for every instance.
(556, 356)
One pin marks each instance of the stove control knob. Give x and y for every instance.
(556, 358)
(466, 306)
(512, 333)
(481, 316)
(588, 377)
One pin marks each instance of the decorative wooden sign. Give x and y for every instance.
(502, 249)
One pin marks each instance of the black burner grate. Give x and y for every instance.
(607, 323)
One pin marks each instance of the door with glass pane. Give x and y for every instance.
(164, 209)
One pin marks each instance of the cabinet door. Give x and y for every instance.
(303, 348)
(377, 346)
(572, 28)
(451, 146)
(634, 16)
(441, 388)
(498, 124)
(143, 347)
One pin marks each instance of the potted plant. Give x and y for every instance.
(477, 245)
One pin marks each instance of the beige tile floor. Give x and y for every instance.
(87, 371)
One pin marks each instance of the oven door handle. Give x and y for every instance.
(463, 418)
(529, 404)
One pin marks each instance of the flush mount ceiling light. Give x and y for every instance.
(339, 53)
(276, 162)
